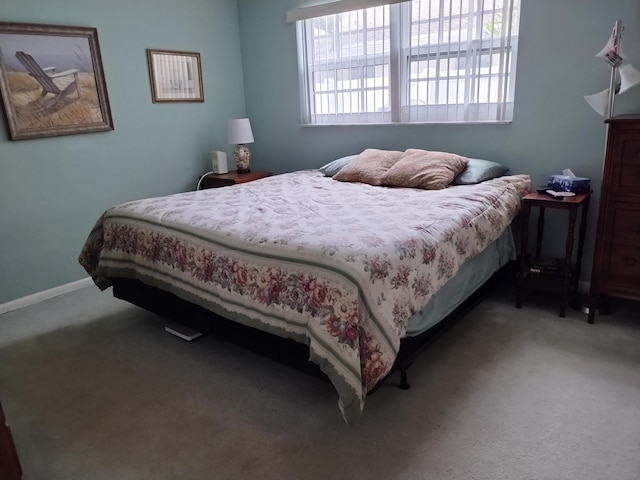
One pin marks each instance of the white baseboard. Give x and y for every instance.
(44, 295)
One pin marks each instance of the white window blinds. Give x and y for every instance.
(417, 61)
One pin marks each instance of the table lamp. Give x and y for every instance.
(239, 135)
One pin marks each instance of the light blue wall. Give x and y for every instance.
(553, 127)
(53, 190)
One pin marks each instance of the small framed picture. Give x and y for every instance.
(175, 76)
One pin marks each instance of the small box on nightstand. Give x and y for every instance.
(567, 183)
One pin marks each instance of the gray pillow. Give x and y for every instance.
(331, 168)
(478, 170)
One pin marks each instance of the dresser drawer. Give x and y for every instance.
(626, 227)
(624, 267)
(628, 168)
(622, 270)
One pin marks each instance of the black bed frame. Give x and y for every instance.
(283, 350)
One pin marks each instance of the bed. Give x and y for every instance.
(346, 269)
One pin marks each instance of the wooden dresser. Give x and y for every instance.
(9, 464)
(616, 263)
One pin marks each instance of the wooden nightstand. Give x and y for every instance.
(212, 180)
(563, 275)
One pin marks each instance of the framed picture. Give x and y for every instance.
(175, 76)
(52, 81)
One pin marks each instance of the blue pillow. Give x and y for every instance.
(331, 168)
(478, 170)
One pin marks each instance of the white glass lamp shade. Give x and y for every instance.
(612, 53)
(599, 101)
(629, 77)
(239, 135)
(609, 47)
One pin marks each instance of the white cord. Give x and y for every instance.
(202, 177)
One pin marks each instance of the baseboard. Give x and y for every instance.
(44, 295)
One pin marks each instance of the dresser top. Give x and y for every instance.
(622, 119)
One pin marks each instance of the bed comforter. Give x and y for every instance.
(338, 266)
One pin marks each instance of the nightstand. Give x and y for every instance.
(212, 180)
(561, 275)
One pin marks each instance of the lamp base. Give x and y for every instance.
(241, 156)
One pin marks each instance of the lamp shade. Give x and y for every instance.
(629, 77)
(240, 131)
(599, 101)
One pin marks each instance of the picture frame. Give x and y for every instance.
(52, 81)
(175, 76)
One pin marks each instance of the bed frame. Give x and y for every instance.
(284, 350)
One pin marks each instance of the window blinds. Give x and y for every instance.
(418, 61)
(460, 61)
(348, 58)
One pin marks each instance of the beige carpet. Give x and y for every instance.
(93, 388)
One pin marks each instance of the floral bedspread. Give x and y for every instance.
(338, 266)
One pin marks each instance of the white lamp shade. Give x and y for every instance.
(599, 101)
(240, 131)
(610, 47)
(629, 77)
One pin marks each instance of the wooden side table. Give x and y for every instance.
(563, 271)
(213, 180)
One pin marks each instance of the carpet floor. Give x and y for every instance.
(94, 388)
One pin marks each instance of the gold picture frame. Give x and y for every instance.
(52, 81)
(175, 76)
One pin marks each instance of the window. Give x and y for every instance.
(415, 61)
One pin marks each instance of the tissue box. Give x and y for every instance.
(566, 183)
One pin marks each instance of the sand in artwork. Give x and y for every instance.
(33, 111)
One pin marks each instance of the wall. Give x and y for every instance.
(53, 190)
(553, 127)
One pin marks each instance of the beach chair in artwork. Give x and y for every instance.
(59, 84)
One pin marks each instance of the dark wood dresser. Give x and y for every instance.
(616, 263)
(9, 464)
